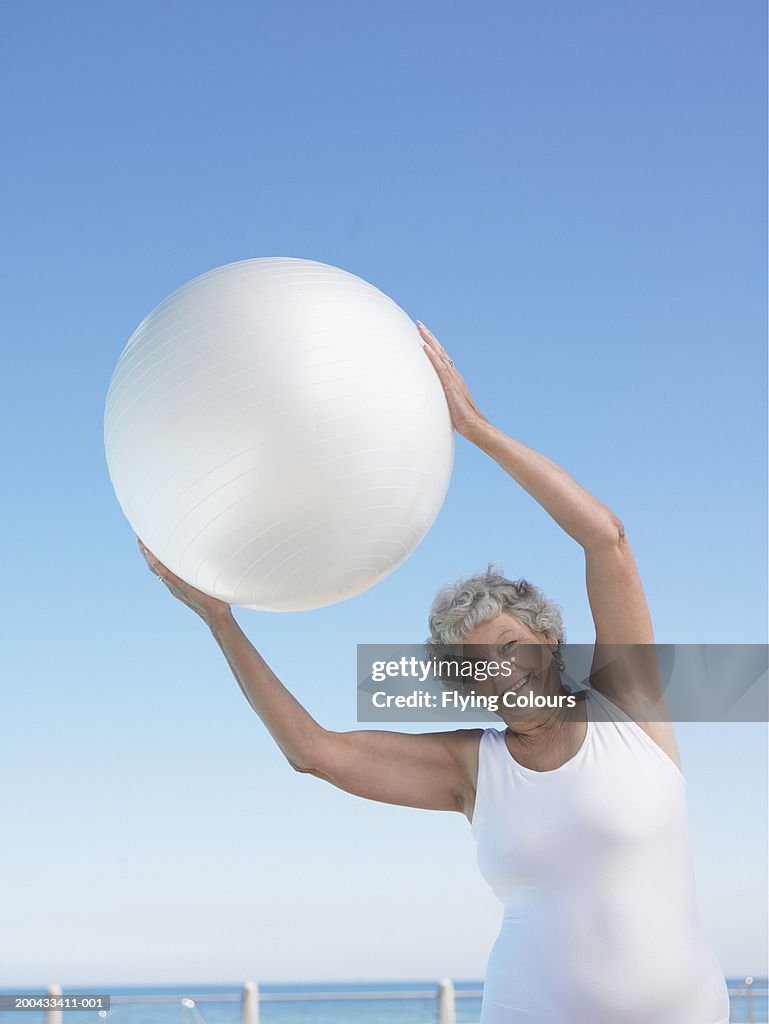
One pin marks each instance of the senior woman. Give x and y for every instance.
(578, 808)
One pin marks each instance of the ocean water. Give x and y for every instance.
(355, 1010)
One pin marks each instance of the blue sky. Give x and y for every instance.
(573, 197)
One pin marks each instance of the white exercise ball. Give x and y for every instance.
(276, 434)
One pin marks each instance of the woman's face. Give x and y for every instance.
(529, 655)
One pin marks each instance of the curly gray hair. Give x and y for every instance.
(461, 606)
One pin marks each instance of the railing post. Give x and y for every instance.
(749, 999)
(53, 1016)
(250, 1003)
(447, 1007)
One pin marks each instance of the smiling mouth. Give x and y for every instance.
(517, 686)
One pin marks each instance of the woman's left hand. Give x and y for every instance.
(465, 415)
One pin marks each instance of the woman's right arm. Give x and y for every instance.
(430, 770)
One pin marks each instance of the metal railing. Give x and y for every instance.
(748, 991)
(250, 999)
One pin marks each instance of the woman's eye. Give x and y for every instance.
(510, 645)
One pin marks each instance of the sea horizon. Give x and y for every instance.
(316, 984)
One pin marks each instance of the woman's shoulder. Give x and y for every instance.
(652, 725)
(467, 740)
(467, 744)
(470, 739)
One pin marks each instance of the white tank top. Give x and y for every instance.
(593, 864)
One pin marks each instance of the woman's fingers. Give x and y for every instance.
(440, 364)
(433, 342)
(438, 354)
(429, 336)
(444, 367)
(160, 570)
(465, 415)
(201, 603)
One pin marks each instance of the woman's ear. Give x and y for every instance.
(551, 641)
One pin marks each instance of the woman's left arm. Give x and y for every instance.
(614, 590)
(616, 596)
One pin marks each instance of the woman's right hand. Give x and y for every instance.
(210, 609)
